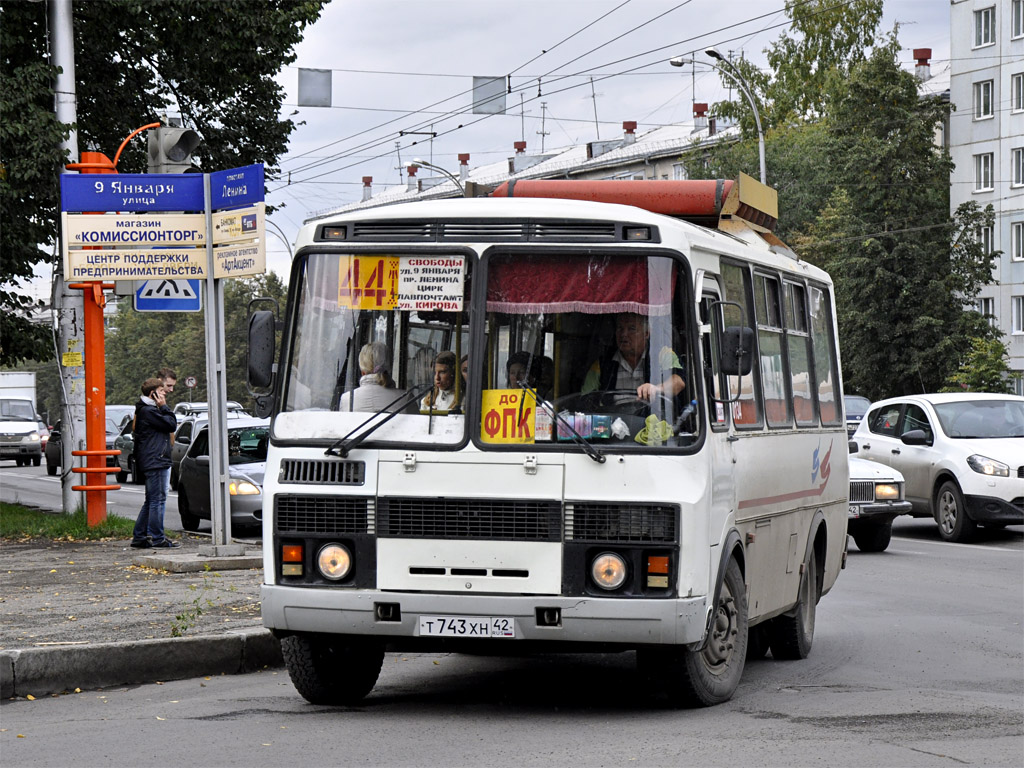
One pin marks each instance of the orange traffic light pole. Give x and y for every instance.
(96, 451)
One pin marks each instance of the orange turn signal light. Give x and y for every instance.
(657, 564)
(291, 553)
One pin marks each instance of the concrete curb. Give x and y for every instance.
(41, 671)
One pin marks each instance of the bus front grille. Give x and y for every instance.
(322, 472)
(323, 514)
(432, 518)
(613, 523)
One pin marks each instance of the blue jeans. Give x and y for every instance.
(150, 522)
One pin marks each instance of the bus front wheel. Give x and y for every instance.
(332, 670)
(708, 676)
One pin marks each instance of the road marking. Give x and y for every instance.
(976, 547)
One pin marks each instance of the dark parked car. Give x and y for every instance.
(856, 407)
(187, 427)
(54, 442)
(247, 458)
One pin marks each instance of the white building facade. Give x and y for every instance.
(986, 141)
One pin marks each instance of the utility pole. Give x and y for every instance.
(597, 125)
(68, 303)
(543, 121)
(398, 151)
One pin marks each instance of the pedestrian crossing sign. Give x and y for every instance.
(167, 296)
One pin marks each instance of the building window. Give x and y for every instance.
(1017, 241)
(984, 27)
(987, 309)
(679, 172)
(1017, 315)
(1017, 91)
(985, 239)
(1018, 167)
(983, 172)
(1017, 25)
(983, 100)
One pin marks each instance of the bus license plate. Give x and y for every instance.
(467, 626)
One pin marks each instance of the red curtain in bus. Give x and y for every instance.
(597, 285)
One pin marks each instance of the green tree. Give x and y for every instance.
(212, 63)
(140, 343)
(807, 65)
(985, 368)
(906, 273)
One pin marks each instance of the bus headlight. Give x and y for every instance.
(608, 571)
(334, 561)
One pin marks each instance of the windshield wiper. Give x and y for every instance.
(347, 443)
(588, 449)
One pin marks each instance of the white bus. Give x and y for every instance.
(556, 425)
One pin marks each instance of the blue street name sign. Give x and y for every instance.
(133, 192)
(236, 187)
(168, 296)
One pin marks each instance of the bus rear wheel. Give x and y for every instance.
(790, 637)
(332, 670)
(710, 675)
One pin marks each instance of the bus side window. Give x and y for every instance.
(798, 345)
(713, 381)
(746, 412)
(824, 344)
(769, 342)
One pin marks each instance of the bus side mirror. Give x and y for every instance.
(262, 327)
(737, 350)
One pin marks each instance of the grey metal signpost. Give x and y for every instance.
(142, 244)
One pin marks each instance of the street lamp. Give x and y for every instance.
(726, 68)
(455, 180)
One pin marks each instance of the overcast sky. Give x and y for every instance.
(407, 65)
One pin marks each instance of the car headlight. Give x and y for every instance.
(987, 466)
(31, 437)
(608, 571)
(887, 491)
(334, 561)
(243, 488)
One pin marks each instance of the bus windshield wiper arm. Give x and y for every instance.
(347, 443)
(588, 449)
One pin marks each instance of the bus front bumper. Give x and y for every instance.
(581, 620)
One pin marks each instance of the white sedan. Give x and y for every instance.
(876, 498)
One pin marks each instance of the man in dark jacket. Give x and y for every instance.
(154, 424)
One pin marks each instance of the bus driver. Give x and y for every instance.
(628, 366)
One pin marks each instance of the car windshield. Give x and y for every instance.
(973, 419)
(856, 406)
(17, 410)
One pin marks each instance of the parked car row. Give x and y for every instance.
(961, 456)
(116, 416)
(247, 458)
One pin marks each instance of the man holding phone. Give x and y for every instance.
(154, 424)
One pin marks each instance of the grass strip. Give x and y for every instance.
(20, 522)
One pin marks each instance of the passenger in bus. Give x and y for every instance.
(376, 388)
(627, 366)
(461, 390)
(540, 376)
(441, 397)
(515, 369)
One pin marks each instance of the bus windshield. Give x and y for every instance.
(587, 346)
(577, 347)
(375, 335)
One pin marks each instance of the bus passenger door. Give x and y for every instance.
(723, 487)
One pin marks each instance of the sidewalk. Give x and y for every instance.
(95, 614)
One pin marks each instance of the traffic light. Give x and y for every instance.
(170, 149)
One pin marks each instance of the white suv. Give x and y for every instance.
(962, 456)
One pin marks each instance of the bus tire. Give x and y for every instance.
(709, 675)
(790, 637)
(332, 670)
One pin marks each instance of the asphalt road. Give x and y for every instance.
(917, 661)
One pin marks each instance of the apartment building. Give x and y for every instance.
(986, 141)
